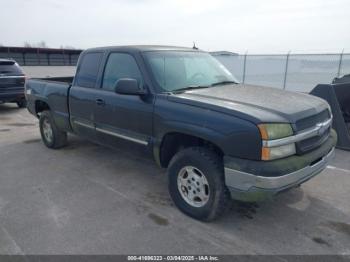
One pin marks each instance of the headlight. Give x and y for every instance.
(271, 153)
(275, 131)
(272, 132)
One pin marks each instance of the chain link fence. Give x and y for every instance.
(295, 72)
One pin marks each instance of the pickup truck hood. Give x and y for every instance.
(254, 103)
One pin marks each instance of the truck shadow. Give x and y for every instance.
(290, 221)
(8, 108)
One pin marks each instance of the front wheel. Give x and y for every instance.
(196, 183)
(50, 134)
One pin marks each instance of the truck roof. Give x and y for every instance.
(141, 48)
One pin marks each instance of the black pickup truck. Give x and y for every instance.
(219, 139)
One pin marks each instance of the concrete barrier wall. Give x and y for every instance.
(48, 71)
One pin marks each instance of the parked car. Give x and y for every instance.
(12, 81)
(218, 139)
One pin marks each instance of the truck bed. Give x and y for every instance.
(54, 91)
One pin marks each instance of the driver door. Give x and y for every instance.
(120, 116)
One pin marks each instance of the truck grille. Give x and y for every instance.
(310, 122)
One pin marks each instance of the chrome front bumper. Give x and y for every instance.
(249, 187)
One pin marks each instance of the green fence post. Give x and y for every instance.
(340, 62)
(244, 66)
(286, 71)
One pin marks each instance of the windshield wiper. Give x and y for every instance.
(223, 83)
(180, 90)
(192, 87)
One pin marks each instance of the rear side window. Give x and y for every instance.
(88, 70)
(10, 68)
(120, 65)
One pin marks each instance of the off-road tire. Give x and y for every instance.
(59, 138)
(22, 103)
(211, 165)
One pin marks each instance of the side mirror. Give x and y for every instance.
(128, 86)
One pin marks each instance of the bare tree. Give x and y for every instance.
(42, 44)
(27, 44)
(67, 47)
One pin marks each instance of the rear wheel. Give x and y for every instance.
(196, 183)
(22, 103)
(50, 134)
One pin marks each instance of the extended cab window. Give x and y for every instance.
(88, 70)
(120, 65)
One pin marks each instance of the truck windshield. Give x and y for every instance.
(182, 70)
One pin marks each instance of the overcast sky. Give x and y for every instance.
(259, 26)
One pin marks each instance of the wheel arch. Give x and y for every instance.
(172, 142)
(40, 106)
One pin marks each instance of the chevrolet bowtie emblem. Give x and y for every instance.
(322, 127)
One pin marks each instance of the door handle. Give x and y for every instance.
(100, 102)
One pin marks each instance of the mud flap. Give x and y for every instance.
(338, 97)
